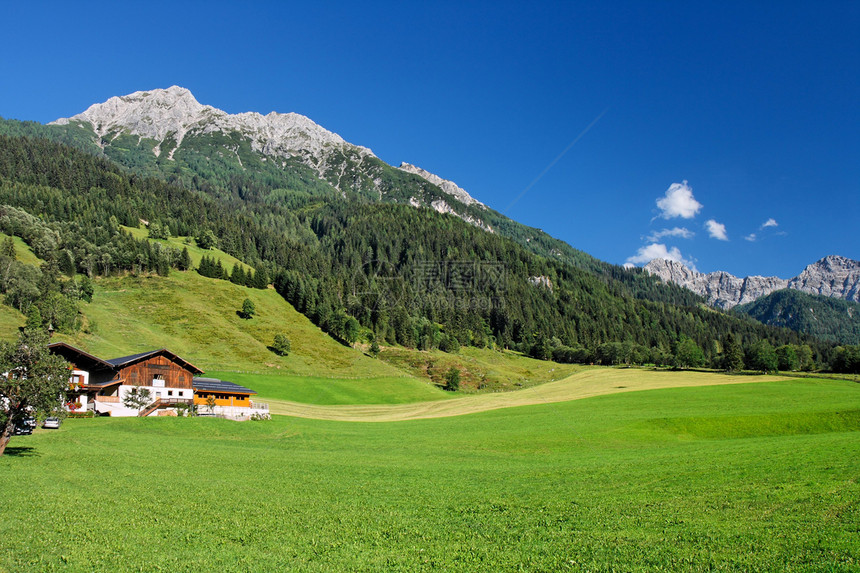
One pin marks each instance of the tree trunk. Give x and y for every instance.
(6, 435)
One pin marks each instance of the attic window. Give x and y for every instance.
(133, 378)
(182, 377)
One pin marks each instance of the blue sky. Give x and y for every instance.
(756, 106)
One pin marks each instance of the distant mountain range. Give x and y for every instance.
(833, 276)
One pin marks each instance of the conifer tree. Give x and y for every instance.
(733, 355)
(184, 262)
(238, 275)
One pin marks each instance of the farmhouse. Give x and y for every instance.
(100, 385)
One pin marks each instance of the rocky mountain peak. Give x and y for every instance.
(447, 186)
(833, 276)
(174, 113)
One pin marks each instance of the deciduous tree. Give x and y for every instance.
(248, 309)
(281, 345)
(137, 398)
(452, 379)
(35, 380)
(688, 354)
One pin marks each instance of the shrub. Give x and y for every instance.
(452, 379)
(281, 346)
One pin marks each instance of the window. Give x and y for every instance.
(182, 378)
(132, 377)
(170, 392)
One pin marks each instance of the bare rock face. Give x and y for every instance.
(172, 114)
(833, 276)
(169, 117)
(452, 189)
(445, 185)
(720, 288)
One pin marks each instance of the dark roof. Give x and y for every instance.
(122, 360)
(70, 352)
(67, 350)
(215, 385)
(127, 360)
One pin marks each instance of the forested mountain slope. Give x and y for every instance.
(288, 160)
(409, 276)
(818, 315)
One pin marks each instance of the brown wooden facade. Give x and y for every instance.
(158, 371)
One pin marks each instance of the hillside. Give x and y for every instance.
(406, 276)
(821, 316)
(196, 318)
(287, 159)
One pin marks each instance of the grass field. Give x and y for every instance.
(329, 391)
(594, 381)
(734, 477)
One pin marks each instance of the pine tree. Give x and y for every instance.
(238, 275)
(261, 278)
(184, 262)
(733, 355)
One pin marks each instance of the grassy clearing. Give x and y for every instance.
(23, 252)
(594, 381)
(591, 485)
(196, 253)
(481, 370)
(10, 320)
(197, 318)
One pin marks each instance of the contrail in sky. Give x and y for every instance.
(556, 160)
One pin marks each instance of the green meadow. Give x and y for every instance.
(741, 477)
(196, 253)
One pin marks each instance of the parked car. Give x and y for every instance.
(52, 423)
(25, 426)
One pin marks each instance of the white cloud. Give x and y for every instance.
(674, 232)
(769, 223)
(751, 237)
(653, 251)
(678, 202)
(716, 230)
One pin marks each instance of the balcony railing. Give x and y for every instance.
(174, 401)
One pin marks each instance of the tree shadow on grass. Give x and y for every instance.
(21, 451)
